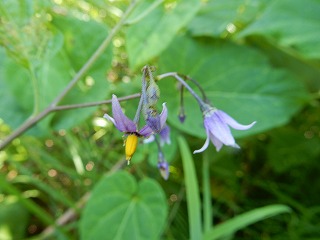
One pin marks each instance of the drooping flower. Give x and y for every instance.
(127, 126)
(216, 123)
(163, 166)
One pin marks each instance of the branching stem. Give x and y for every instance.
(53, 106)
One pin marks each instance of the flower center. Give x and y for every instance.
(131, 146)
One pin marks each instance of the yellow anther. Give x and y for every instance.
(131, 146)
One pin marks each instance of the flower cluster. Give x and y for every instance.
(216, 122)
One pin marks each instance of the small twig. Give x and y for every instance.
(93, 104)
(32, 121)
(179, 79)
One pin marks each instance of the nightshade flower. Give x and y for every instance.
(124, 124)
(165, 135)
(154, 120)
(163, 166)
(216, 123)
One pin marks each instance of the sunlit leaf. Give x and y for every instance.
(223, 17)
(292, 24)
(150, 36)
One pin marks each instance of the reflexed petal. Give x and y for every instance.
(122, 122)
(217, 127)
(149, 139)
(154, 123)
(233, 123)
(106, 116)
(163, 115)
(165, 135)
(205, 145)
(216, 142)
(146, 131)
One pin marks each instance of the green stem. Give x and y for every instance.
(183, 82)
(207, 207)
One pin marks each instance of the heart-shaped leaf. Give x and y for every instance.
(122, 208)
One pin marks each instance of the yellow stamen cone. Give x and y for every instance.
(131, 146)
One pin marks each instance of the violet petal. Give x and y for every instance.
(233, 123)
(122, 122)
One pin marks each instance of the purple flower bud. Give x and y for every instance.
(182, 117)
(164, 169)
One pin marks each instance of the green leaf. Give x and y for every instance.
(11, 213)
(11, 111)
(79, 47)
(121, 208)
(280, 149)
(237, 80)
(35, 88)
(292, 24)
(39, 212)
(223, 17)
(192, 189)
(150, 36)
(239, 222)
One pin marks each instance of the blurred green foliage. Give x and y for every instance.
(256, 60)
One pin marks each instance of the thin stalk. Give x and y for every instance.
(93, 104)
(204, 96)
(182, 115)
(179, 79)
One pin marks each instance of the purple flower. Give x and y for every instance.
(164, 169)
(216, 123)
(154, 120)
(165, 135)
(124, 124)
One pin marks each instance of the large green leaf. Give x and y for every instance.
(222, 17)
(237, 79)
(34, 88)
(231, 226)
(293, 24)
(79, 47)
(121, 208)
(151, 35)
